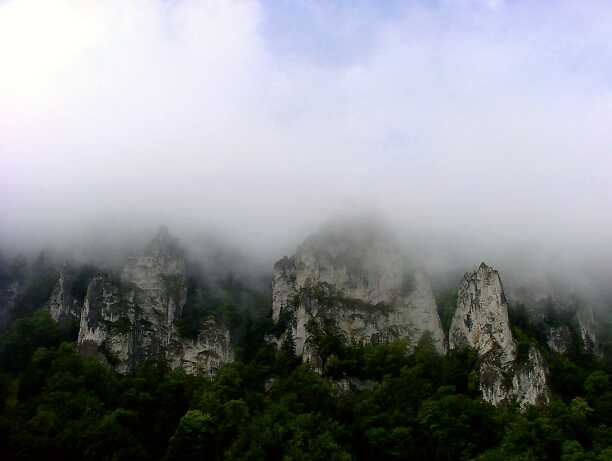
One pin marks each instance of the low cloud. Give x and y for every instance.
(476, 127)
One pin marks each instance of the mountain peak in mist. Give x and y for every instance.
(164, 243)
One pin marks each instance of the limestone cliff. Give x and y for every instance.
(481, 322)
(356, 278)
(559, 338)
(481, 319)
(530, 380)
(205, 354)
(586, 327)
(131, 319)
(62, 304)
(107, 329)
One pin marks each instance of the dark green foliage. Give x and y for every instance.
(326, 338)
(15, 270)
(194, 436)
(605, 334)
(199, 306)
(327, 298)
(456, 426)
(372, 402)
(26, 335)
(523, 343)
(121, 326)
(35, 287)
(447, 304)
(74, 408)
(18, 269)
(527, 331)
(244, 311)
(80, 282)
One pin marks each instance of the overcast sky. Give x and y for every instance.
(485, 119)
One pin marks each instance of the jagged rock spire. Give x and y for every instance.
(481, 321)
(132, 319)
(164, 244)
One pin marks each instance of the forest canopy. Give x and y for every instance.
(370, 402)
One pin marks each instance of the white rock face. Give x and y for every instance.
(481, 322)
(128, 321)
(524, 382)
(359, 280)
(481, 319)
(529, 383)
(559, 339)
(62, 305)
(206, 354)
(106, 324)
(586, 328)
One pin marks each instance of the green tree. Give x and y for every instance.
(193, 438)
(26, 335)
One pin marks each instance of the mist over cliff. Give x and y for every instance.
(145, 118)
(306, 230)
(474, 130)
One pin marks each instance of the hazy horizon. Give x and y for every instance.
(480, 130)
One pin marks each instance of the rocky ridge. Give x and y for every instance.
(481, 322)
(62, 304)
(358, 280)
(131, 319)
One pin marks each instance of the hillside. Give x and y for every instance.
(344, 358)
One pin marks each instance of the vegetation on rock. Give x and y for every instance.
(370, 402)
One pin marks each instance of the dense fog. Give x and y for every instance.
(476, 130)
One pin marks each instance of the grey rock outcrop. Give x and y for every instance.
(131, 319)
(205, 354)
(107, 330)
(481, 319)
(357, 279)
(530, 380)
(62, 305)
(586, 327)
(559, 338)
(481, 322)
